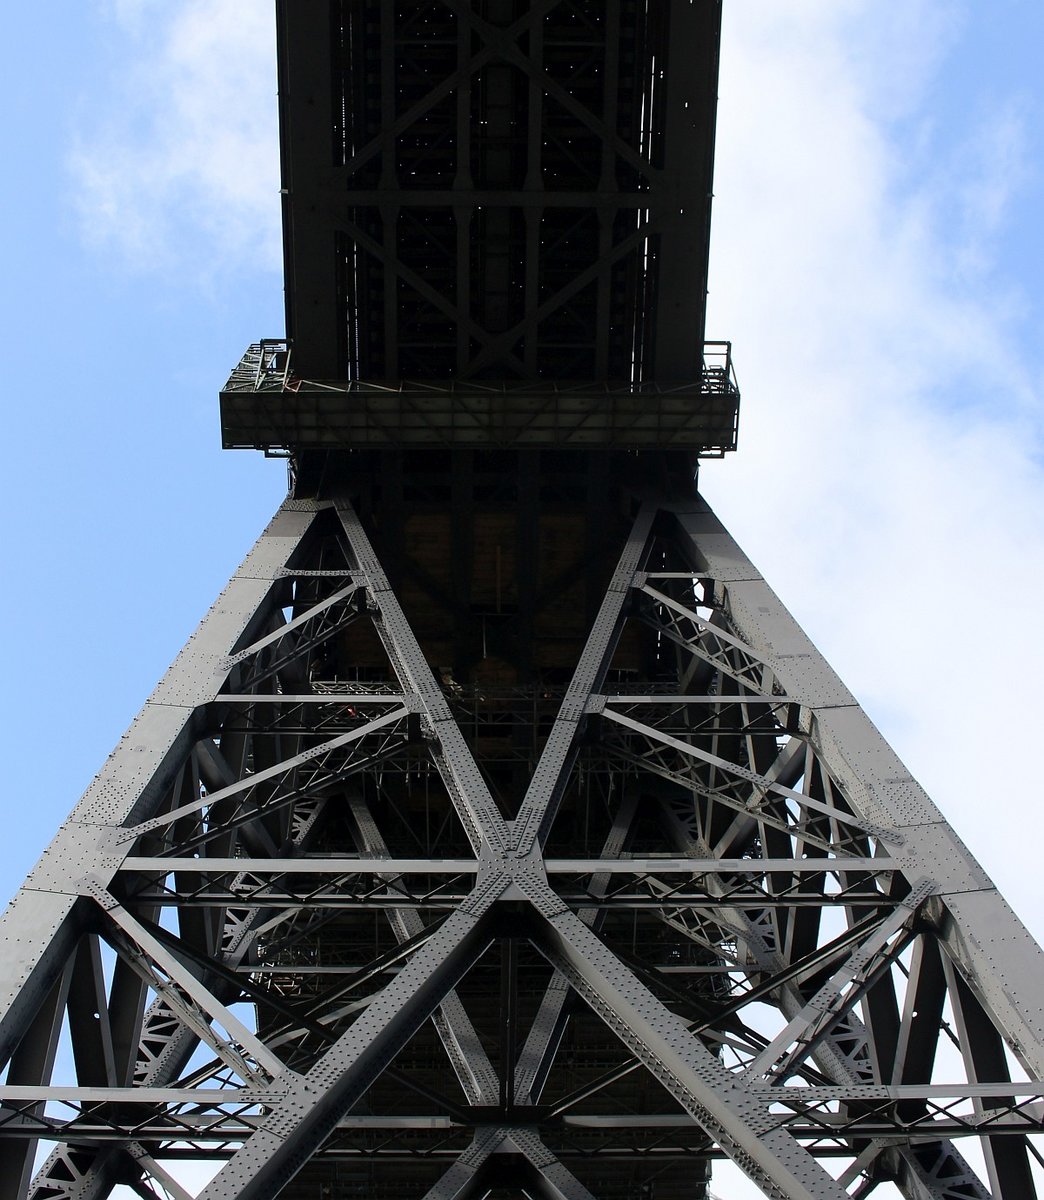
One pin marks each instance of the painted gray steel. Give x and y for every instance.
(927, 947)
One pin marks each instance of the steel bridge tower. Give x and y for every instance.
(499, 832)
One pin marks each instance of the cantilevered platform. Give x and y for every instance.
(266, 406)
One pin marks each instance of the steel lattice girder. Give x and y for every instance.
(811, 930)
(496, 191)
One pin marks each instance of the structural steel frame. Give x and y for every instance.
(849, 930)
(439, 870)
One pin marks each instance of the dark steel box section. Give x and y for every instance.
(508, 195)
(265, 405)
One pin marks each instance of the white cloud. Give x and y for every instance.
(889, 480)
(185, 153)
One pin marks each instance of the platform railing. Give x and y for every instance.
(266, 367)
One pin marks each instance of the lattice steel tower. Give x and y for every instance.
(499, 832)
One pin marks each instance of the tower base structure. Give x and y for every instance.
(499, 832)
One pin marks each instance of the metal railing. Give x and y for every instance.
(265, 367)
(719, 374)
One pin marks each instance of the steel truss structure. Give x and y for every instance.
(499, 833)
(721, 919)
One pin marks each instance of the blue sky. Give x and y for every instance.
(877, 260)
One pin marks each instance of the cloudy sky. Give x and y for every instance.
(877, 262)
